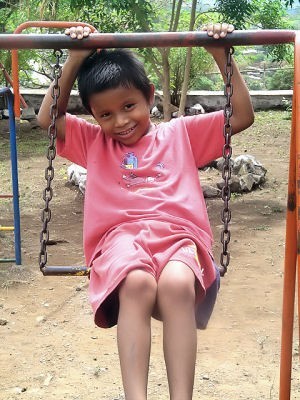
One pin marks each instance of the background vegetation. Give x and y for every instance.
(174, 71)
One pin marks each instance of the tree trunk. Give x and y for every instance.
(185, 84)
(165, 83)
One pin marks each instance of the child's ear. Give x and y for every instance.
(152, 93)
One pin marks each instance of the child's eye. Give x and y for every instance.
(129, 106)
(105, 115)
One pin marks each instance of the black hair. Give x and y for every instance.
(109, 69)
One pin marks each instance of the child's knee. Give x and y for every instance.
(138, 285)
(177, 283)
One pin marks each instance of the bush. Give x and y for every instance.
(281, 80)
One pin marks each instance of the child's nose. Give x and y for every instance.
(121, 120)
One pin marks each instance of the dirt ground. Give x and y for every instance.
(50, 348)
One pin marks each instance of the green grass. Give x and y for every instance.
(30, 142)
(262, 228)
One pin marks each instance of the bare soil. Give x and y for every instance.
(50, 348)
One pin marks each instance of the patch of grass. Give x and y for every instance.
(235, 196)
(30, 142)
(270, 123)
(262, 228)
(35, 144)
(277, 210)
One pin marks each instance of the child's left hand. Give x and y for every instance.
(218, 30)
(79, 32)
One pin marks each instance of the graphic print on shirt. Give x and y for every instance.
(130, 161)
(132, 179)
(191, 250)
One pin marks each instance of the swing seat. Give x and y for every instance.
(54, 270)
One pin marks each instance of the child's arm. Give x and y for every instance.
(243, 115)
(66, 81)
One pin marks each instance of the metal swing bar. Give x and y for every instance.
(149, 39)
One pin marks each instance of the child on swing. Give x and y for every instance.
(147, 236)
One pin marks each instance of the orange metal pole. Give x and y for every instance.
(14, 53)
(9, 80)
(297, 128)
(291, 248)
(289, 276)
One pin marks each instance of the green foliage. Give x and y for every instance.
(282, 79)
(262, 14)
(114, 15)
(207, 83)
(237, 12)
(270, 14)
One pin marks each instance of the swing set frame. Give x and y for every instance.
(187, 39)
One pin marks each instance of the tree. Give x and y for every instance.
(261, 14)
(188, 62)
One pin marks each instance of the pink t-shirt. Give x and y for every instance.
(155, 179)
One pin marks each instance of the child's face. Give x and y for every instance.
(123, 113)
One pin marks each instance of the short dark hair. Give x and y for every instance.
(109, 69)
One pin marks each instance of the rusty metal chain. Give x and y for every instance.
(51, 153)
(226, 170)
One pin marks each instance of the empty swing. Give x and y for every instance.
(49, 176)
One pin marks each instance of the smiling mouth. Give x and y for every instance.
(127, 132)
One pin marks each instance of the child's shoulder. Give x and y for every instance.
(82, 120)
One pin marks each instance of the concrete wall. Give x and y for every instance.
(262, 100)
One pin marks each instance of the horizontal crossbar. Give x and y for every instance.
(6, 228)
(149, 39)
(6, 196)
(7, 260)
(65, 270)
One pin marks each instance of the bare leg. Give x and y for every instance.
(137, 298)
(176, 304)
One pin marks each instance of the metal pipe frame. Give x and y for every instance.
(105, 40)
(151, 39)
(292, 242)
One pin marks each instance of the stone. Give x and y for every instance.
(47, 380)
(247, 174)
(196, 109)
(210, 191)
(77, 176)
(41, 319)
(156, 113)
(28, 113)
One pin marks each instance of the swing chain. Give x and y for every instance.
(226, 170)
(51, 153)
